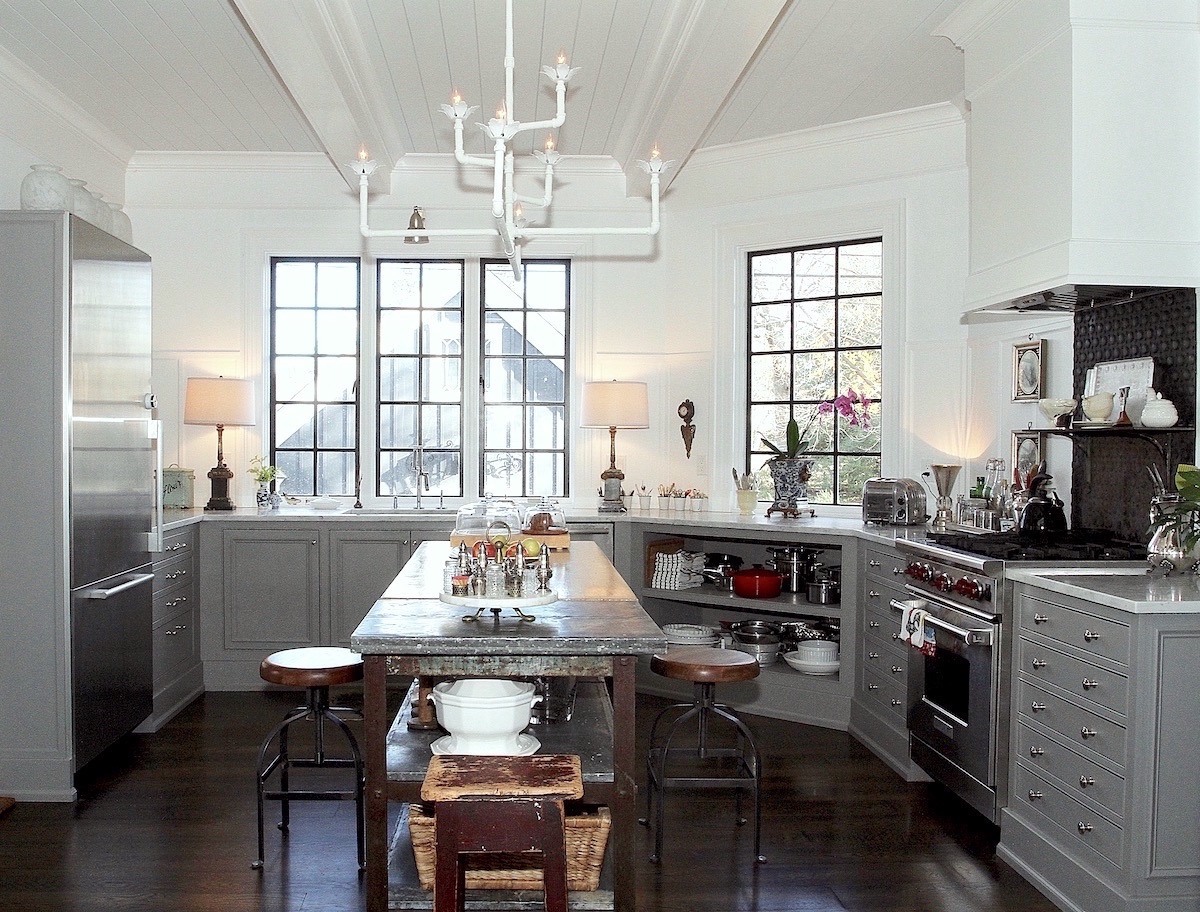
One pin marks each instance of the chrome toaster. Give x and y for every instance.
(893, 502)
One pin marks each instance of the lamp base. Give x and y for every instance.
(610, 491)
(220, 476)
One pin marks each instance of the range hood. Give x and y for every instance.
(1070, 298)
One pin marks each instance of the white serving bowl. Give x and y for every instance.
(484, 715)
(817, 651)
(1055, 408)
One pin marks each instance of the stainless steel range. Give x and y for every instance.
(958, 687)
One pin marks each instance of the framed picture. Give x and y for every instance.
(1026, 454)
(1029, 370)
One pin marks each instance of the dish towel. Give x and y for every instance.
(680, 570)
(915, 632)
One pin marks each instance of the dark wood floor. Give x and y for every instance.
(166, 822)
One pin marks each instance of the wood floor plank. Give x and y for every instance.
(166, 822)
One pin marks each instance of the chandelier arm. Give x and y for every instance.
(460, 152)
(650, 230)
(560, 116)
(498, 154)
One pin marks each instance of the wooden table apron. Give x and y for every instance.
(614, 658)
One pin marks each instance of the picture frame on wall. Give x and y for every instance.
(1027, 447)
(1029, 370)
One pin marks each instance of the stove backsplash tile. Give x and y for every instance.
(1110, 486)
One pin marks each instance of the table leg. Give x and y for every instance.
(624, 812)
(375, 725)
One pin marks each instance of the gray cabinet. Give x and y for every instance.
(1103, 808)
(178, 674)
(272, 588)
(361, 565)
(879, 712)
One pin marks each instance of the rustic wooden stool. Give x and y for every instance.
(500, 804)
(315, 668)
(704, 667)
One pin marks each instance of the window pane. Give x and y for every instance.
(853, 472)
(861, 370)
(445, 472)
(399, 284)
(860, 268)
(295, 332)
(861, 438)
(441, 426)
(298, 467)
(546, 334)
(771, 277)
(768, 421)
(337, 285)
(545, 380)
(770, 377)
(335, 473)
(336, 378)
(503, 427)
(442, 285)
(814, 324)
(505, 380)
(398, 426)
(294, 426)
(814, 273)
(503, 473)
(820, 482)
(395, 473)
(398, 379)
(860, 321)
(335, 426)
(441, 331)
(813, 375)
(399, 332)
(545, 428)
(545, 473)
(500, 290)
(504, 334)
(337, 332)
(295, 379)
(440, 379)
(295, 284)
(545, 286)
(770, 328)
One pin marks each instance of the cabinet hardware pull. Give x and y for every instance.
(896, 669)
(1040, 619)
(1089, 635)
(1085, 781)
(1036, 751)
(871, 593)
(872, 687)
(1034, 796)
(313, 542)
(1036, 706)
(896, 571)
(895, 636)
(872, 655)
(1088, 683)
(1039, 663)
(872, 563)
(1083, 827)
(1086, 733)
(874, 625)
(896, 702)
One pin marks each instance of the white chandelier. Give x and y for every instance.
(506, 209)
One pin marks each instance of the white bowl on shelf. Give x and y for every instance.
(814, 668)
(484, 715)
(1056, 408)
(817, 651)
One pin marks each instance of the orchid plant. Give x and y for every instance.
(851, 405)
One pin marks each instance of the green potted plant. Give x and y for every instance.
(1175, 523)
(266, 475)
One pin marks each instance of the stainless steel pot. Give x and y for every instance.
(798, 565)
(824, 592)
(756, 632)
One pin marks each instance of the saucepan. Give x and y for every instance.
(757, 582)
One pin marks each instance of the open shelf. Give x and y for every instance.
(790, 603)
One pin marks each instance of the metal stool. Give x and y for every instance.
(500, 804)
(704, 667)
(316, 668)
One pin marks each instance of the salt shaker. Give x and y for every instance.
(543, 570)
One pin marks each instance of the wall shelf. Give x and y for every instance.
(1159, 438)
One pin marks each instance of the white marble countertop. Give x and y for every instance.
(1124, 587)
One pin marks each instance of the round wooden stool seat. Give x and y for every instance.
(705, 665)
(312, 666)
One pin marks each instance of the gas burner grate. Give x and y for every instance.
(1080, 545)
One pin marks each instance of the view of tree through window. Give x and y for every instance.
(815, 331)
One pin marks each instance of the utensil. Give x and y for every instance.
(757, 582)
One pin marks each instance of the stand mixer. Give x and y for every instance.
(944, 477)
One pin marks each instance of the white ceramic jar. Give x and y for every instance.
(45, 187)
(1159, 413)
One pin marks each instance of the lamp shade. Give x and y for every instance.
(615, 403)
(218, 400)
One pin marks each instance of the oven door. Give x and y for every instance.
(953, 694)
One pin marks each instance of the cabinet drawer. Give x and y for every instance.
(1098, 636)
(878, 596)
(882, 622)
(885, 663)
(1077, 726)
(1081, 825)
(1079, 775)
(887, 697)
(171, 601)
(1074, 675)
(173, 572)
(884, 564)
(888, 643)
(176, 646)
(175, 543)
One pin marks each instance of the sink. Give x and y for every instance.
(401, 512)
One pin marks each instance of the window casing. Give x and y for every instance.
(815, 331)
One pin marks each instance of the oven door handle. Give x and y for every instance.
(970, 637)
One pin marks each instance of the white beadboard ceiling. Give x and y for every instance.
(327, 76)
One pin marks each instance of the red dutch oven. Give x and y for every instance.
(757, 582)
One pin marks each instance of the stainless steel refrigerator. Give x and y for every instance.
(80, 509)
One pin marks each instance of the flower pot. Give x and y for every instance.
(790, 477)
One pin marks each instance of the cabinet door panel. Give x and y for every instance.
(361, 565)
(272, 589)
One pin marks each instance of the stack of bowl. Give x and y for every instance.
(760, 639)
(814, 657)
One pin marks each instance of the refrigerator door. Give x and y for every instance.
(111, 665)
(114, 447)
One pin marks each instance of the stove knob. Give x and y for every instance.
(943, 582)
(969, 587)
(919, 571)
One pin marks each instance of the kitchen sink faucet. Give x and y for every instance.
(422, 475)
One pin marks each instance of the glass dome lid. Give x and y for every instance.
(489, 516)
(544, 517)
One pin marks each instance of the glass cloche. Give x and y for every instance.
(544, 518)
(490, 516)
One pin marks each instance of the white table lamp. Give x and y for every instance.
(614, 404)
(219, 401)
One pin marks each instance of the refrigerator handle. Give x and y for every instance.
(154, 538)
(116, 590)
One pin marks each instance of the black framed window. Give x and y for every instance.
(815, 332)
(314, 365)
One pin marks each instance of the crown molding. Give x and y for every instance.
(217, 162)
(973, 18)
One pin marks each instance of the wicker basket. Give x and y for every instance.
(587, 836)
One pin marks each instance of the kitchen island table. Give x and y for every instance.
(596, 628)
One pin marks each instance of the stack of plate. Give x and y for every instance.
(691, 635)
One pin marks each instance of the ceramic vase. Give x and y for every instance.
(83, 204)
(262, 497)
(122, 227)
(45, 187)
(790, 477)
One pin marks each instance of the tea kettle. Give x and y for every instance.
(1043, 512)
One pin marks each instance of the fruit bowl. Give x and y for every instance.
(1055, 409)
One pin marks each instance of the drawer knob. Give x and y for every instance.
(1086, 733)
(1089, 635)
(1040, 619)
(1039, 663)
(871, 593)
(1085, 781)
(872, 687)
(871, 655)
(1036, 706)
(896, 571)
(896, 669)
(1083, 827)
(872, 563)
(1088, 683)
(874, 625)
(896, 702)
(1035, 796)
(895, 636)
(1036, 751)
